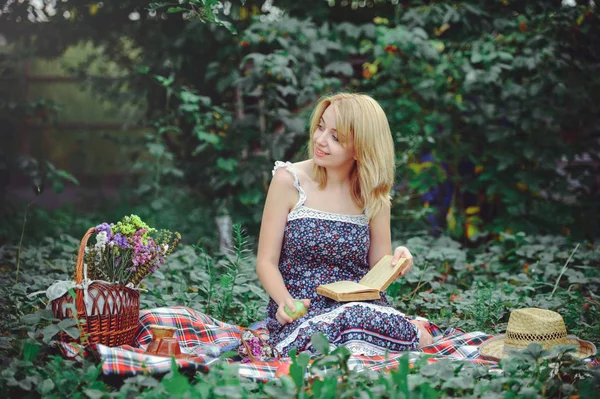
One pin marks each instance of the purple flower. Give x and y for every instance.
(105, 227)
(120, 241)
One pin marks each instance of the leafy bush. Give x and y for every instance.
(474, 289)
(493, 99)
(491, 104)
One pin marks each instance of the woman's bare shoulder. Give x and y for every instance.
(305, 170)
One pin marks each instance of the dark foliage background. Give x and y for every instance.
(493, 107)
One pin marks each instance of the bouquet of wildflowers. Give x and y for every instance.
(128, 251)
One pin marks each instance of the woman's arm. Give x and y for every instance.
(281, 198)
(381, 240)
(381, 236)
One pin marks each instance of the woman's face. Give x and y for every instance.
(328, 151)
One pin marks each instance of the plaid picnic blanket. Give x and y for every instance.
(207, 338)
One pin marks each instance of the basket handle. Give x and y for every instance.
(80, 255)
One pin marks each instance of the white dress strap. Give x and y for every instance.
(290, 168)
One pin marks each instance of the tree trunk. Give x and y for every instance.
(224, 226)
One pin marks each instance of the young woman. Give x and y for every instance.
(328, 219)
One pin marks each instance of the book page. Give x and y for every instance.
(346, 287)
(382, 274)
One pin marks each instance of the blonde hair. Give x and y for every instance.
(361, 119)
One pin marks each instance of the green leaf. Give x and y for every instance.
(256, 58)
(400, 376)
(473, 9)
(66, 176)
(165, 82)
(167, 129)
(320, 343)
(72, 293)
(172, 10)
(297, 374)
(535, 350)
(339, 67)
(25, 384)
(317, 388)
(157, 150)
(210, 138)
(143, 69)
(428, 392)
(430, 52)
(156, 6)
(46, 386)
(31, 319)
(174, 382)
(325, 361)
(226, 281)
(369, 30)
(94, 393)
(5, 342)
(227, 164)
(189, 97)
(30, 351)
(459, 383)
(49, 332)
(189, 108)
(93, 372)
(73, 332)
(66, 323)
(227, 25)
(504, 56)
(251, 197)
(420, 33)
(304, 358)
(286, 90)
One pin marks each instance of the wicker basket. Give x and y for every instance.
(111, 317)
(246, 350)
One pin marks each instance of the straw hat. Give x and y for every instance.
(529, 325)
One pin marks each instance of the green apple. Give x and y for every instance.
(300, 310)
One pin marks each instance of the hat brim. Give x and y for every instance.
(493, 348)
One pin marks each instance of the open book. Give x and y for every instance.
(369, 287)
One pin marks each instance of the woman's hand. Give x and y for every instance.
(426, 337)
(403, 252)
(282, 317)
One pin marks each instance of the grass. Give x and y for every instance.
(474, 289)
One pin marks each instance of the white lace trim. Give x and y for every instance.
(329, 317)
(364, 348)
(300, 211)
(306, 212)
(290, 168)
(361, 348)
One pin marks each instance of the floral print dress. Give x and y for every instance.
(320, 248)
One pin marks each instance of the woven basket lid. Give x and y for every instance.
(529, 325)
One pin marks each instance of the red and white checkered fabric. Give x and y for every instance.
(207, 338)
